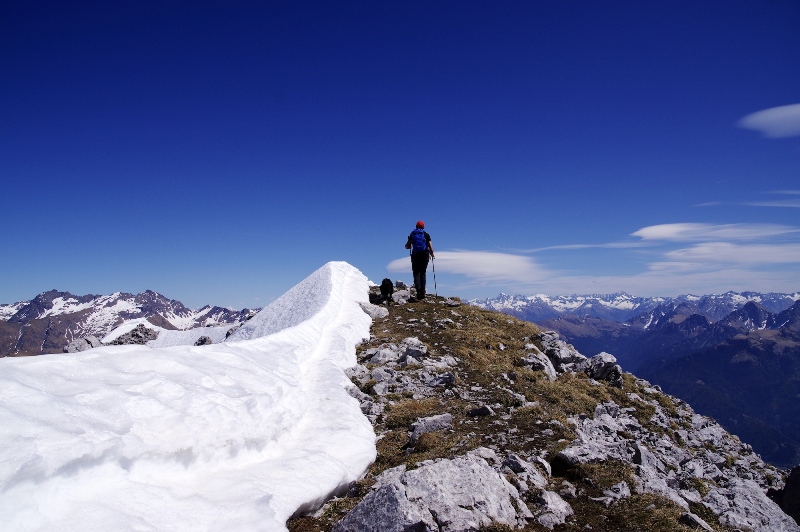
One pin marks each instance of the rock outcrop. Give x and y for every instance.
(603, 367)
(138, 336)
(465, 493)
(82, 344)
(374, 311)
(788, 498)
(204, 340)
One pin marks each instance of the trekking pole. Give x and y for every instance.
(435, 290)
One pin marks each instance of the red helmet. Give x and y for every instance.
(420, 225)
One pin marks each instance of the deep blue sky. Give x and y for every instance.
(218, 152)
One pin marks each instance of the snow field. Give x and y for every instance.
(230, 436)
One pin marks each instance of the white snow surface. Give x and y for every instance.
(237, 435)
(6, 311)
(173, 338)
(169, 338)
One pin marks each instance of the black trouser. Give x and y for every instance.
(419, 263)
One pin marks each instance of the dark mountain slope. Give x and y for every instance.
(750, 384)
(592, 335)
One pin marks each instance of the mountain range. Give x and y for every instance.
(484, 422)
(733, 356)
(620, 306)
(52, 319)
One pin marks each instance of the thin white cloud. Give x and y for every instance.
(671, 283)
(609, 245)
(776, 122)
(728, 253)
(482, 266)
(692, 232)
(684, 258)
(783, 202)
(790, 202)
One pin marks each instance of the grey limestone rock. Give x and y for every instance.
(401, 297)
(563, 356)
(374, 311)
(413, 347)
(614, 493)
(93, 341)
(410, 361)
(744, 505)
(598, 438)
(442, 362)
(388, 354)
(603, 367)
(736, 493)
(694, 521)
(555, 510)
(788, 498)
(369, 407)
(358, 372)
(456, 495)
(430, 424)
(537, 361)
(82, 344)
(568, 490)
(526, 471)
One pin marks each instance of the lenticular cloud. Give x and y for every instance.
(232, 436)
(776, 122)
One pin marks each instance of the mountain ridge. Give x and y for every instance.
(487, 422)
(677, 344)
(622, 307)
(52, 319)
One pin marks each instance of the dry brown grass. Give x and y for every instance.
(403, 413)
(645, 513)
(604, 475)
(571, 394)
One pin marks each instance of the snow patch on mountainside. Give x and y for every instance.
(8, 310)
(107, 311)
(230, 436)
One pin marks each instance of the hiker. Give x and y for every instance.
(419, 242)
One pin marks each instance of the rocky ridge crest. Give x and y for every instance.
(487, 423)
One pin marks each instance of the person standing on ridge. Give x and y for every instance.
(419, 242)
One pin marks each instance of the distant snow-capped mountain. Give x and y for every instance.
(616, 307)
(637, 311)
(52, 319)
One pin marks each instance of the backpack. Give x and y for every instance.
(418, 242)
